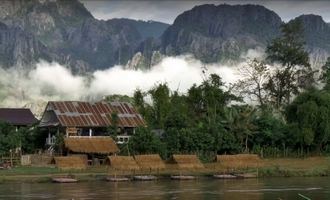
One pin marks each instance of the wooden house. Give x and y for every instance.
(76, 119)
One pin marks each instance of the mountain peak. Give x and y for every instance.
(313, 22)
(213, 33)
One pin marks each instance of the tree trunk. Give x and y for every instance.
(246, 143)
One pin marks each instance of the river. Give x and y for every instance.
(253, 189)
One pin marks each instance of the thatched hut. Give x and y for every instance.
(150, 162)
(125, 163)
(187, 162)
(71, 162)
(239, 160)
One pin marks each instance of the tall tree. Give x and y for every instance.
(254, 76)
(160, 96)
(243, 125)
(295, 72)
(309, 114)
(325, 76)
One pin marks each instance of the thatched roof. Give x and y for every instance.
(187, 161)
(100, 145)
(239, 160)
(71, 162)
(152, 161)
(123, 163)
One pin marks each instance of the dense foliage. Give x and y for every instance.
(290, 116)
(26, 140)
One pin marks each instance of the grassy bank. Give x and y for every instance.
(288, 167)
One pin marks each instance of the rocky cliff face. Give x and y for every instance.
(72, 36)
(317, 37)
(66, 32)
(18, 47)
(216, 33)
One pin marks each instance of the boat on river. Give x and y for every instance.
(117, 179)
(225, 176)
(182, 177)
(145, 178)
(64, 180)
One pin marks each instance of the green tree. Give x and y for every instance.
(325, 76)
(271, 133)
(160, 96)
(239, 121)
(113, 129)
(138, 100)
(25, 138)
(309, 114)
(295, 72)
(59, 143)
(120, 98)
(145, 142)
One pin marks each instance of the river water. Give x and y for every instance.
(254, 189)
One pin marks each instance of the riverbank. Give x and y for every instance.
(283, 167)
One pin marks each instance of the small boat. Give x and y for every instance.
(117, 179)
(247, 175)
(225, 176)
(145, 178)
(183, 177)
(64, 180)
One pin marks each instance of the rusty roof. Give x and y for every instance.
(86, 114)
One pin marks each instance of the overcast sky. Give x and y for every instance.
(167, 10)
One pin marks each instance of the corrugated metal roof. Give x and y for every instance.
(17, 116)
(85, 114)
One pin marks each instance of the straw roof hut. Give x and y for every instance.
(150, 162)
(187, 161)
(123, 163)
(98, 145)
(239, 160)
(71, 162)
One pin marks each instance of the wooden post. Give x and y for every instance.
(11, 158)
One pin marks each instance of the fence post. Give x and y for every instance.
(11, 158)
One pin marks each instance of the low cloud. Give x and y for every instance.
(179, 72)
(51, 81)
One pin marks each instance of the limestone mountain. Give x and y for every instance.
(223, 33)
(317, 37)
(18, 47)
(66, 32)
(216, 33)
(72, 36)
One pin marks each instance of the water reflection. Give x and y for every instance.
(251, 189)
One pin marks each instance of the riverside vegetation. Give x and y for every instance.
(290, 115)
